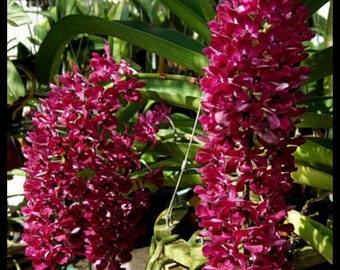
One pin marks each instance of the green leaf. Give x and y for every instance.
(315, 155)
(312, 177)
(86, 173)
(313, 5)
(315, 120)
(327, 232)
(192, 15)
(320, 64)
(175, 92)
(16, 171)
(126, 113)
(208, 8)
(187, 180)
(15, 220)
(329, 27)
(185, 123)
(16, 15)
(305, 257)
(204, 9)
(15, 85)
(150, 11)
(321, 105)
(168, 43)
(22, 51)
(190, 178)
(178, 150)
(314, 233)
(327, 143)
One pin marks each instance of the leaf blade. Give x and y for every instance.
(15, 85)
(16, 15)
(168, 43)
(319, 239)
(312, 177)
(191, 15)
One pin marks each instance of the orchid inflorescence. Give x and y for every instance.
(251, 89)
(82, 199)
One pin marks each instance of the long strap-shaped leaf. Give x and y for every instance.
(314, 233)
(312, 177)
(192, 14)
(313, 5)
(321, 64)
(173, 92)
(315, 120)
(168, 43)
(315, 155)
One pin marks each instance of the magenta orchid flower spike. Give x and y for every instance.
(251, 89)
(82, 201)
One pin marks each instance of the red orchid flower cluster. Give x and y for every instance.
(82, 201)
(251, 89)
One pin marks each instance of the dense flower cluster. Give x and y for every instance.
(82, 201)
(251, 87)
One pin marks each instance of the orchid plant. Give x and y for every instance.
(265, 132)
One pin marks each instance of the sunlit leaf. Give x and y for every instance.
(11, 221)
(174, 92)
(173, 149)
(16, 15)
(312, 177)
(314, 233)
(15, 85)
(316, 120)
(315, 155)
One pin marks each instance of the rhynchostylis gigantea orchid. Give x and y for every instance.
(82, 199)
(252, 86)
(312, 158)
